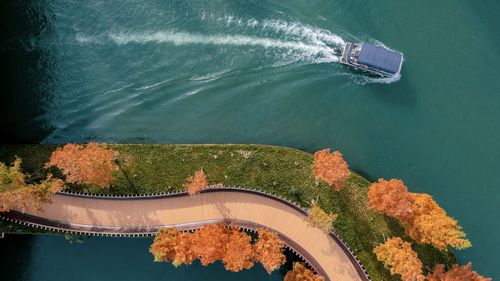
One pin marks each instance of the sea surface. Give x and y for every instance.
(136, 71)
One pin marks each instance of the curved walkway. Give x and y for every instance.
(144, 215)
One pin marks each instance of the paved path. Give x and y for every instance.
(250, 209)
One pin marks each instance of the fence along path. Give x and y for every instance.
(143, 215)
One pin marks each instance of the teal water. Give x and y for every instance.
(264, 72)
(97, 258)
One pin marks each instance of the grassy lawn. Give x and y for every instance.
(284, 171)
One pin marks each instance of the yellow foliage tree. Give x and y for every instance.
(15, 193)
(423, 219)
(11, 177)
(399, 257)
(13, 189)
(431, 225)
(320, 219)
(41, 193)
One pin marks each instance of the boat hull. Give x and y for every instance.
(371, 59)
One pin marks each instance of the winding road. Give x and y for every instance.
(144, 215)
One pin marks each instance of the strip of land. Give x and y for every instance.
(148, 169)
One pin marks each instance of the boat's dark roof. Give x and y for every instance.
(380, 58)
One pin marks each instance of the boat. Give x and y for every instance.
(373, 59)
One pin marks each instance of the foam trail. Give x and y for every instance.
(153, 85)
(183, 38)
(296, 30)
(83, 39)
(304, 32)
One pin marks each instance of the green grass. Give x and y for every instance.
(285, 171)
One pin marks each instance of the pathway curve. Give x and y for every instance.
(250, 209)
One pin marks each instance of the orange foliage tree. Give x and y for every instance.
(15, 193)
(431, 225)
(398, 255)
(184, 250)
(391, 198)
(85, 164)
(215, 242)
(238, 252)
(320, 219)
(269, 250)
(210, 242)
(456, 273)
(163, 247)
(173, 246)
(331, 168)
(196, 183)
(301, 273)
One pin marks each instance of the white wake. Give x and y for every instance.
(293, 41)
(321, 52)
(290, 30)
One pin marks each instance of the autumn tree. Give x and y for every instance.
(170, 245)
(215, 242)
(85, 164)
(317, 217)
(301, 273)
(391, 198)
(456, 273)
(196, 183)
(30, 196)
(399, 257)
(331, 168)
(15, 193)
(12, 181)
(423, 219)
(163, 247)
(184, 249)
(269, 250)
(8, 200)
(431, 225)
(11, 177)
(210, 242)
(42, 192)
(239, 252)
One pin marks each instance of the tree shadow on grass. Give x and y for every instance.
(394, 226)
